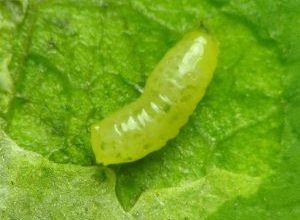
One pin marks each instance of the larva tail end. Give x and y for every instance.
(96, 142)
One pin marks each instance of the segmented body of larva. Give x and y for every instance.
(171, 94)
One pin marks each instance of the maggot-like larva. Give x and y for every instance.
(171, 94)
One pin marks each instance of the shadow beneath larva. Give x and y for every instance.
(182, 159)
(133, 179)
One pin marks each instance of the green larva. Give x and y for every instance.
(171, 94)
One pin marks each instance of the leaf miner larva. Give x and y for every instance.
(171, 94)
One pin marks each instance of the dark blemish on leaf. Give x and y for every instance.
(51, 44)
(101, 176)
(136, 214)
(104, 4)
(47, 172)
(64, 26)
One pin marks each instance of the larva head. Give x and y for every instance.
(202, 54)
(198, 59)
(191, 63)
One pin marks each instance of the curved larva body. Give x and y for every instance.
(170, 96)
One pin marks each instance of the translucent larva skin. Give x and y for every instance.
(171, 94)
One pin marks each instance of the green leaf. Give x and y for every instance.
(32, 187)
(67, 64)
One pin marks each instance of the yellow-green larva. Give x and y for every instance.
(171, 94)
